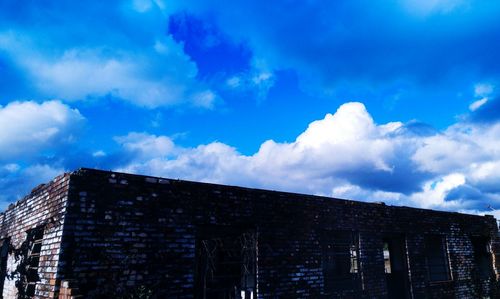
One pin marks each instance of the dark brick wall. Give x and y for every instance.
(43, 208)
(125, 231)
(108, 234)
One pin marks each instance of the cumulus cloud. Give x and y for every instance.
(342, 142)
(329, 153)
(146, 146)
(28, 128)
(440, 153)
(434, 192)
(347, 155)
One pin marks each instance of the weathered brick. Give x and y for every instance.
(107, 233)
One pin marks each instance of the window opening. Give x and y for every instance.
(34, 238)
(395, 266)
(4, 253)
(354, 259)
(482, 256)
(226, 263)
(340, 251)
(437, 258)
(387, 258)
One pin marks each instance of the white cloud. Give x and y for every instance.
(476, 104)
(434, 192)
(355, 192)
(27, 128)
(146, 146)
(205, 99)
(349, 137)
(486, 175)
(257, 80)
(486, 170)
(234, 82)
(11, 167)
(142, 5)
(346, 155)
(346, 141)
(99, 154)
(156, 74)
(483, 89)
(42, 173)
(482, 92)
(440, 153)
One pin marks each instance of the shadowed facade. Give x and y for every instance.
(101, 234)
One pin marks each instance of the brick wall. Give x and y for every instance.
(127, 233)
(44, 208)
(107, 235)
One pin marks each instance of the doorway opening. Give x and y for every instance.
(396, 268)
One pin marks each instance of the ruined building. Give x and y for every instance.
(100, 234)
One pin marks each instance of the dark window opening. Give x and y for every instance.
(31, 277)
(482, 256)
(387, 258)
(4, 253)
(437, 258)
(226, 263)
(340, 260)
(396, 267)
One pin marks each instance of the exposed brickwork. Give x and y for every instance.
(45, 208)
(126, 233)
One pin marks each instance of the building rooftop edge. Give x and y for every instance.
(373, 203)
(77, 171)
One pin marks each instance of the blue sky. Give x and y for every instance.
(393, 101)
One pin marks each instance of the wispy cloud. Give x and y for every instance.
(132, 61)
(330, 42)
